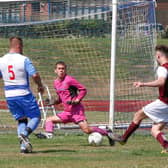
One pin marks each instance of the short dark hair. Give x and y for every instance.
(163, 49)
(14, 40)
(15, 37)
(60, 63)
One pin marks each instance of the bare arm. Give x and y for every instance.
(156, 83)
(37, 79)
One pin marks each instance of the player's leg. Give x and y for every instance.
(49, 125)
(79, 118)
(157, 112)
(88, 129)
(63, 117)
(30, 127)
(138, 117)
(157, 133)
(22, 123)
(15, 107)
(31, 111)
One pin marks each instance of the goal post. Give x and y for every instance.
(112, 69)
(120, 24)
(106, 44)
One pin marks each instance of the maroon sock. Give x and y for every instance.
(162, 140)
(132, 127)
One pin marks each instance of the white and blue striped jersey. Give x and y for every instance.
(15, 70)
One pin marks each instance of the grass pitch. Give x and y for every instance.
(73, 151)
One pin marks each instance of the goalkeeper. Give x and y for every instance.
(70, 93)
(158, 109)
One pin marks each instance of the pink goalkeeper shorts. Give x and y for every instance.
(75, 116)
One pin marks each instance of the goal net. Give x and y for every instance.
(79, 33)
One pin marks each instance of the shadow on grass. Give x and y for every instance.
(54, 151)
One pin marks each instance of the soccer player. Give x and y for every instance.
(158, 109)
(15, 69)
(70, 93)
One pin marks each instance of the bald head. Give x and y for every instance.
(16, 44)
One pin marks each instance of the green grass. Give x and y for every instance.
(73, 151)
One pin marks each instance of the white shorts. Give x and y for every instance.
(157, 111)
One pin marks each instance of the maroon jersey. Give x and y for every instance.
(163, 90)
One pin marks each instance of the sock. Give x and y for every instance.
(31, 126)
(99, 130)
(49, 126)
(162, 140)
(21, 127)
(132, 127)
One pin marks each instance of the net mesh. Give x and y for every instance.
(79, 33)
(134, 60)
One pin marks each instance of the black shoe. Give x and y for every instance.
(23, 148)
(111, 141)
(119, 139)
(44, 135)
(24, 151)
(40, 135)
(27, 144)
(109, 136)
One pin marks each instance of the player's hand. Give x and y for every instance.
(138, 84)
(49, 102)
(41, 89)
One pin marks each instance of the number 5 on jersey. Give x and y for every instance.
(11, 72)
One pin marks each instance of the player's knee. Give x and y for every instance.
(138, 117)
(49, 119)
(24, 120)
(154, 131)
(54, 119)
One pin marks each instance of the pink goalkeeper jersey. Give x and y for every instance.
(62, 89)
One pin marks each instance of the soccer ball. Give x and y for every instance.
(95, 139)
